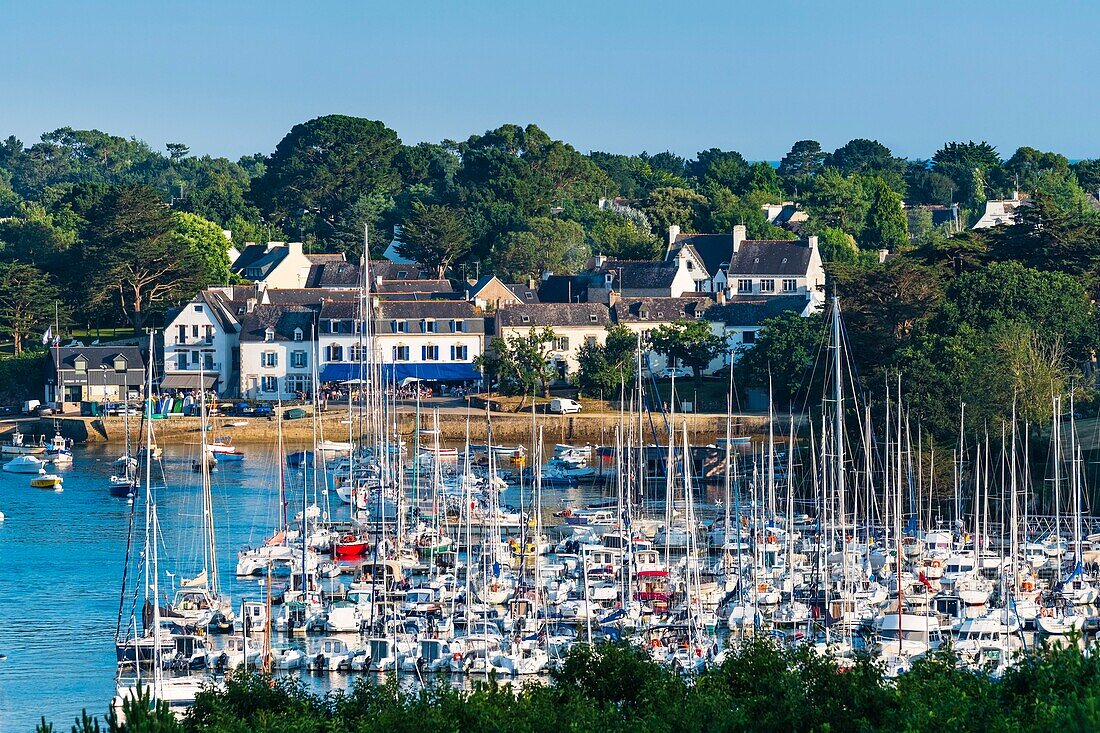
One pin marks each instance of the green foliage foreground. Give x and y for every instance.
(618, 688)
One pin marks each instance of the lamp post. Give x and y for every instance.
(104, 370)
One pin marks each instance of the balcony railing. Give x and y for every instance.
(206, 367)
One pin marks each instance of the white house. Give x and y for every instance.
(642, 315)
(431, 340)
(757, 267)
(741, 318)
(204, 336)
(275, 264)
(573, 324)
(277, 352)
(1000, 211)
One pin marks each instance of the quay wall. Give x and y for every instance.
(596, 428)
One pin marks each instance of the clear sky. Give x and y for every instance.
(230, 78)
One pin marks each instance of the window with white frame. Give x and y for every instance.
(458, 326)
(562, 343)
(744, 286)
(460, 352)
(269, 384)
(335, 352)
(298, 359)
(296, 383)
(400, 353)
(590, 341)
(268, 359)
(355, 352)
(297, 334)
(767, 286)
(269, 335)
(427, 326)
(790, 285)
(429, 352)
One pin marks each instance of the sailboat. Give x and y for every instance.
(124, 480)
(156, 644)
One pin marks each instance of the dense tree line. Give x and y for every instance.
(607, 688)
(117, 232)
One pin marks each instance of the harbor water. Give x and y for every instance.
(62, 557)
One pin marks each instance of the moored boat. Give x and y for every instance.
(46, 481)
(19, 447)
(24, 464)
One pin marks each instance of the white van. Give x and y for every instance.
(564, 406)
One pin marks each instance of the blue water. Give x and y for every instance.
(62, 557)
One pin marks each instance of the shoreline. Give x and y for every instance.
(596, 428)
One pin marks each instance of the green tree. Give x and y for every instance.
(130, 259)
(969, 165)
(783, 354)
(323, 166)
(1087, 172)
(520, 364)
(203, 243)
(803, 160)
(837, 245)
(548, 244)
(886, 227)
(724, 167)
(27, 301)
(371, 210)
(604, 368)
(689, 342)
(868, 157)
(836, 200)
(618, 236)
(435, 236)
(667, 206)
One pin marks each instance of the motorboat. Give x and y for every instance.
(59, 451)
(46, 481)
(122, 485)
(24, 464)
(17, 446)
(222, 449)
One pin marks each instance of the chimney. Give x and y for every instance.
(882, 255)
(812, 242)
(546, 275)
(273, 245)
(294, 248)
(598, 261)
(250, 305)
(673, 233)
(720, 296)
(612, 298)
(738, 237)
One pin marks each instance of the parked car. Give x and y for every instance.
(44, 410)
(564, 406)
(680, 371)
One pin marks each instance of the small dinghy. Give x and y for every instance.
(46, 481)
(24, 464)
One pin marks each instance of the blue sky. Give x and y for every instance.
(230, 78)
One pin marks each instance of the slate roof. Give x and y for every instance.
(780, 257)
(742, 312)
(257, 255)
(307, 296)
(413, 309)
(339, 310)
(554, 314)
(641, 274)
(321, 258)
(525, 293)
(283, 319)
(98, 357)
(400, 287)
(771, 257)
(659, 310)
(393, 271)
(333, 274)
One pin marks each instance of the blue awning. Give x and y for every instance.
(445, 372)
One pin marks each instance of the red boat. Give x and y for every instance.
(350, 547)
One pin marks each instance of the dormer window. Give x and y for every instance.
(593, 318)
(297, 334)
(756, 260)
(402, 274)
(525, 319)
(120, 363)
(529, 295)
(252, 272)
(269, 334)
(80, 365)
